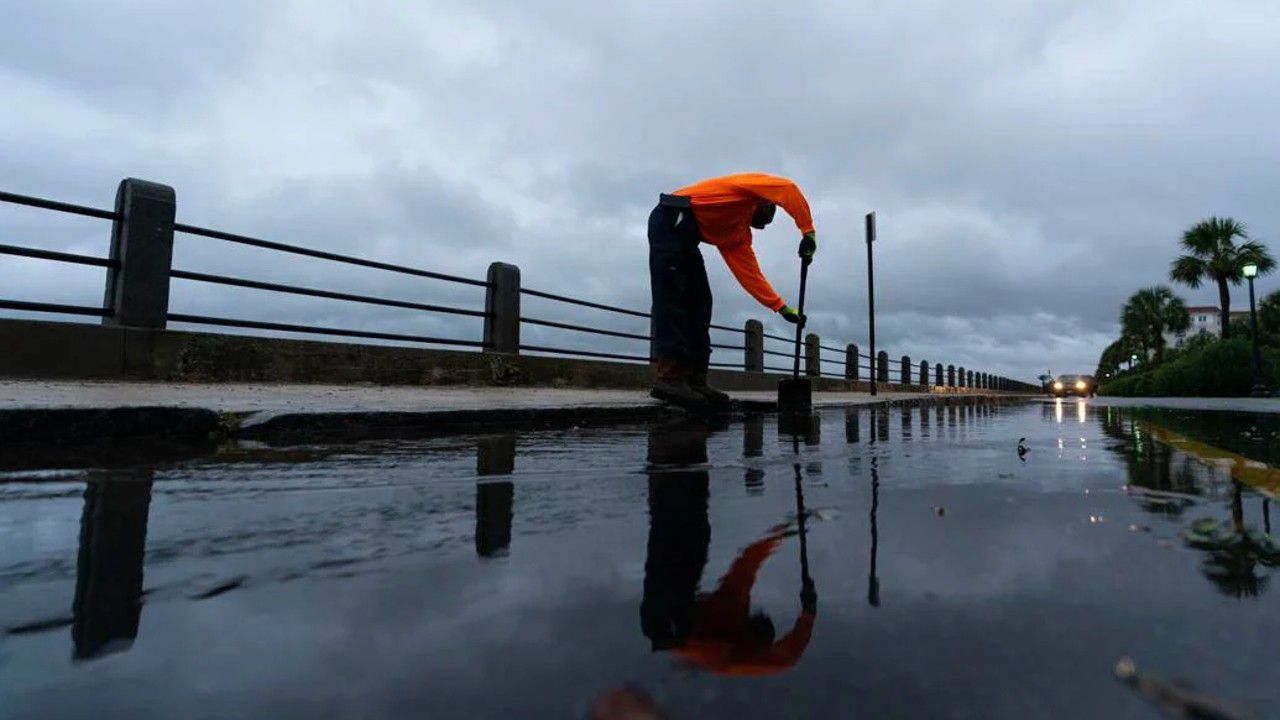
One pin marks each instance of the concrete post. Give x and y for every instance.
(851, 361)
(969, 380)
(812, 361)
(960, 377)
(951, 376)
(882, 367)
(938, 377)
(137, 291)
(753, 356)
(924, 373)
(904, 372)
(502, 305)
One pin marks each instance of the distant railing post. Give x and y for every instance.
(924, 373)
(970, 379)
(951, 376)
(882, 367)
(137, 291)
(502, 308)
(851, 361)
(938, 378)
(960, 377)
(904, 373)
(812, 361)
(753, 356)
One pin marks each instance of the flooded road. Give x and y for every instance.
(883, 563)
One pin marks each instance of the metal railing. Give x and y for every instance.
(147, 285)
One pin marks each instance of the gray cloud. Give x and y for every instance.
(1030, 165)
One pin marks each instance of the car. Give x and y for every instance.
(1078, 385)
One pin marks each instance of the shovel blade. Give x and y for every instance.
(795, 395)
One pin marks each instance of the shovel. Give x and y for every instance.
(795, 394)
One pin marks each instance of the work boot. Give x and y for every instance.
(672, 385)
(716, 398)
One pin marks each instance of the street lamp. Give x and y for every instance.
(1259, 389)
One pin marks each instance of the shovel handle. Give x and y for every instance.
(804, 278)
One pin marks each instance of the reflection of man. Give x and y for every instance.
(679, 532)
(717, 630)
(727, 639)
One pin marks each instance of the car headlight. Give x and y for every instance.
(1057, 385)
(1079, 384)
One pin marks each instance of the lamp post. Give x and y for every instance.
(871, 299)
(1259, 388)
(1133, 361)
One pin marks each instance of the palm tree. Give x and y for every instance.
(1149, 314)
(1115, 355)
(1213, 254)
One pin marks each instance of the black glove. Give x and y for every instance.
(790, 314)
(808, 245)
(808, 597)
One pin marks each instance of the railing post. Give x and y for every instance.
(882, 367)
(753, 356)
(851, 361)
(969, 380)
(951, 376)
(904, 372)
(938, 378)
(960, 377)
(502, 308)
(812, 361)
(924, 373)
(137, 291)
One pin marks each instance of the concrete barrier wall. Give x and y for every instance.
(55, 350)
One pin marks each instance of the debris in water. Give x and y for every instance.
(1174, 700)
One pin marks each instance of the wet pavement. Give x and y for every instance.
(886, 562)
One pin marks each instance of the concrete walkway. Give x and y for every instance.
(50, 412)
(277, 399)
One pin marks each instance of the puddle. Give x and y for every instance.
(904, 562)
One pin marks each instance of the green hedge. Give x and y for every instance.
(1221, 369)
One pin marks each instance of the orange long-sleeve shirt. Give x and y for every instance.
(719, 638)
(723, 207)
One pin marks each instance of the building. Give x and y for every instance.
(1204, 319)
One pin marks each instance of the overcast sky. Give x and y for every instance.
(1031, 164)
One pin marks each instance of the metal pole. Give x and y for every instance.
(871, 296)
(1259, 389)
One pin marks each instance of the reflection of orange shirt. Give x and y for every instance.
(723, 208)
(720, 639)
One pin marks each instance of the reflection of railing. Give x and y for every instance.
(139, 271)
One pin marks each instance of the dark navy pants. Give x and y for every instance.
(681, 293)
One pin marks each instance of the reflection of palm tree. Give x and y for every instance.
(1236, 554)
(1150, 465)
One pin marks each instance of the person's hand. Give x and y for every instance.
(808, 245)
(790, 314)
